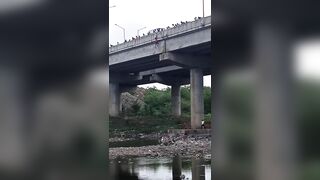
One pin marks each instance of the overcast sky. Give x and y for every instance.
(135, 14)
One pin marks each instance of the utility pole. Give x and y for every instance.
(202, 8)
(140, 30)
(124, 32)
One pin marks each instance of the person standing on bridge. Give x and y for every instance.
(156, 41)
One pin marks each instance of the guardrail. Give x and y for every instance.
(165, 34)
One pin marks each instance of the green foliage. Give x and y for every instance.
(308, 115)
(207, 118)
(158, 102)
(207, 100)
(185, 100)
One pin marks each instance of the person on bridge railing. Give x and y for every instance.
(156, 41)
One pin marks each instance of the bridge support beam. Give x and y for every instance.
(197, 106)
(114, 99)
(176, 100)
(186, 60)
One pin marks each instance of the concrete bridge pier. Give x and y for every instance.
(197, 106)
(219, 148)
(275, 123)
(176, 100)
(13, 151)
(114, 99)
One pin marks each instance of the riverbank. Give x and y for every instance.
(170, 144)
(134, 126)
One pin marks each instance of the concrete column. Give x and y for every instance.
(14, 151)
(275, 125)
(197, 106)
(176, 100)
(114, 99)
(120, 102)
(218, 124)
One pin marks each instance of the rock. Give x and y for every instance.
(129, 99)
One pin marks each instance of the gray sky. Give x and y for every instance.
(135, 14)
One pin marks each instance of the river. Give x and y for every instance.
(160, 168)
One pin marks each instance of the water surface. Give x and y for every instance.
(161, 168)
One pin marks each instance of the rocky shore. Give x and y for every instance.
(169, 144)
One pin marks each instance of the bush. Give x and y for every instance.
(207, 118)
(157, 102)
(207, 100)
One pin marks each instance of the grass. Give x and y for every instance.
(147, 124)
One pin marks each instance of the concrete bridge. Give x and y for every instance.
(174, 57)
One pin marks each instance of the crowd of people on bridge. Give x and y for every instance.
(157, 30)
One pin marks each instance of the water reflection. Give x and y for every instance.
(198, 169)
(122, 169)
(176, 168)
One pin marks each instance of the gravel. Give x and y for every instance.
(187, 146)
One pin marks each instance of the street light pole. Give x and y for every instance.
(124, 32)
(202, 8)
(140, 30)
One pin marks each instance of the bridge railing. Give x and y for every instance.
(168, 33)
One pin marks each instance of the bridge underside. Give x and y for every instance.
(175, 68)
